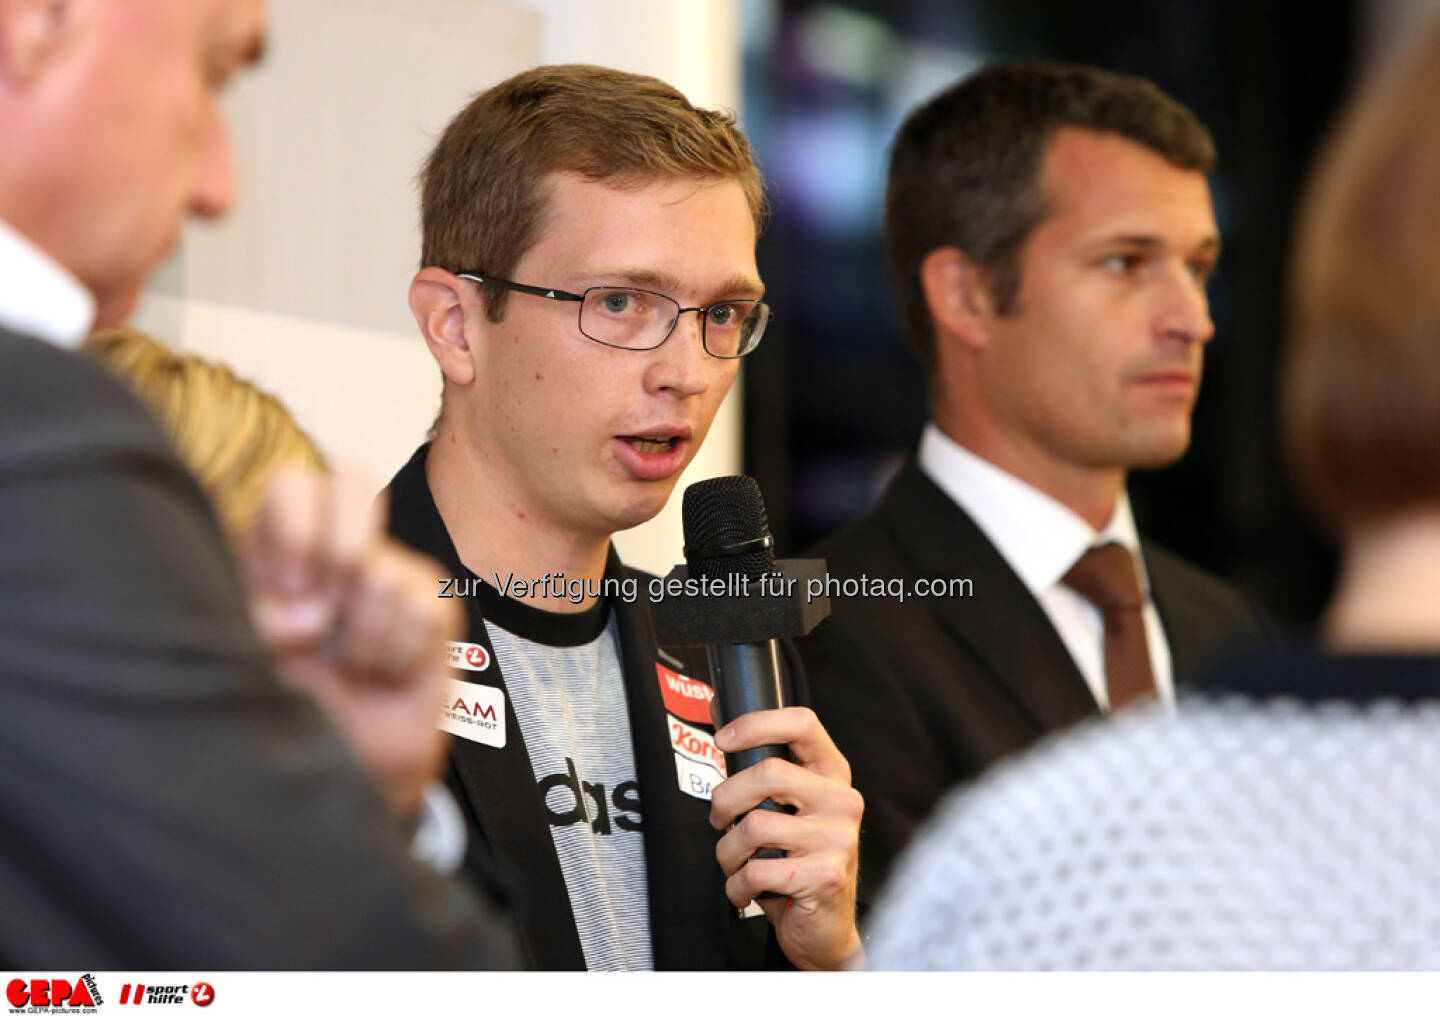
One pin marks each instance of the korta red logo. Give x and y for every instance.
(684, 696)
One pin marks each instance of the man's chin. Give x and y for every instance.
(114, 307)
(640, 508)
(1160, 450)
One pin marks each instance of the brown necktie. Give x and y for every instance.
(1106, 577)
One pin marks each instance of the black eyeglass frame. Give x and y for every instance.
(580, 298)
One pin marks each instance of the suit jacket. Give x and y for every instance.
(692, 924)
(167, 805)
(925, 694)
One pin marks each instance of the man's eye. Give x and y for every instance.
(722, 314)
(1122, 264)
(617, 303)
(1202, 270)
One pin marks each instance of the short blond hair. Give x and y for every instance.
(483, 188)
(231, 435)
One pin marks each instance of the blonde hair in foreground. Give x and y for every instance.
(231, 435)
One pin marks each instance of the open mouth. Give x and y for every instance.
(651, 445)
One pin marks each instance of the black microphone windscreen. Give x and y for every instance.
(722, 515)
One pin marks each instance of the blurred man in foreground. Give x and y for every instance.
(167, 803)
(1286, 817)
(1049, 231)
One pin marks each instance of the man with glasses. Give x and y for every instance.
(588, 289)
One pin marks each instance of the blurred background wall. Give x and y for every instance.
(304, 288)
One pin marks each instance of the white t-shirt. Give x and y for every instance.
(564, 677)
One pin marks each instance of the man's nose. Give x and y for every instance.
(680, 364)
(1185, 313)
(214, 190)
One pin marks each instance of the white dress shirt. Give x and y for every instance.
(38, 297)
(1041, 540)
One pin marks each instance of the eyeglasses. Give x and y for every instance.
(639, 319)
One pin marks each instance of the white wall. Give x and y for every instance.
(303, 288)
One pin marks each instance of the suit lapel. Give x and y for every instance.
(689, 913)
(1002, 626)
(500, 788)
(498, 783)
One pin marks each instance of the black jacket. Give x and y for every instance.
(925, 694)
(167, 805)
(692, 924)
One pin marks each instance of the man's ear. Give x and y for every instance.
(32, 31)
(957, 292)
(438, 300)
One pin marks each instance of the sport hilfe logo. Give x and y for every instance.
(202, 994)
(53, 993)
(468, 656)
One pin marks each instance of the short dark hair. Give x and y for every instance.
(1362, 374)
(965, 169)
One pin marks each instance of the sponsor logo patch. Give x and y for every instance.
(475, 712)
(684, 696)
(696, 778)
(468, 656)
(699, 764)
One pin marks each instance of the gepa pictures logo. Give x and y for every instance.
(57, 993)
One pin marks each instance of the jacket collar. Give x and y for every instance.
(939, 540)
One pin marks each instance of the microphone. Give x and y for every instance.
(727, 538)
(729, 610)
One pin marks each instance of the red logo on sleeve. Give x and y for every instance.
(685, 697)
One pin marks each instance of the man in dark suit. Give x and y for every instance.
(167, 803)
(1050, 232)
(1284, 819)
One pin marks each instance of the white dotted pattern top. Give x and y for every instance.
(1237, 834)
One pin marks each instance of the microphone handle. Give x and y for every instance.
(749, 677)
